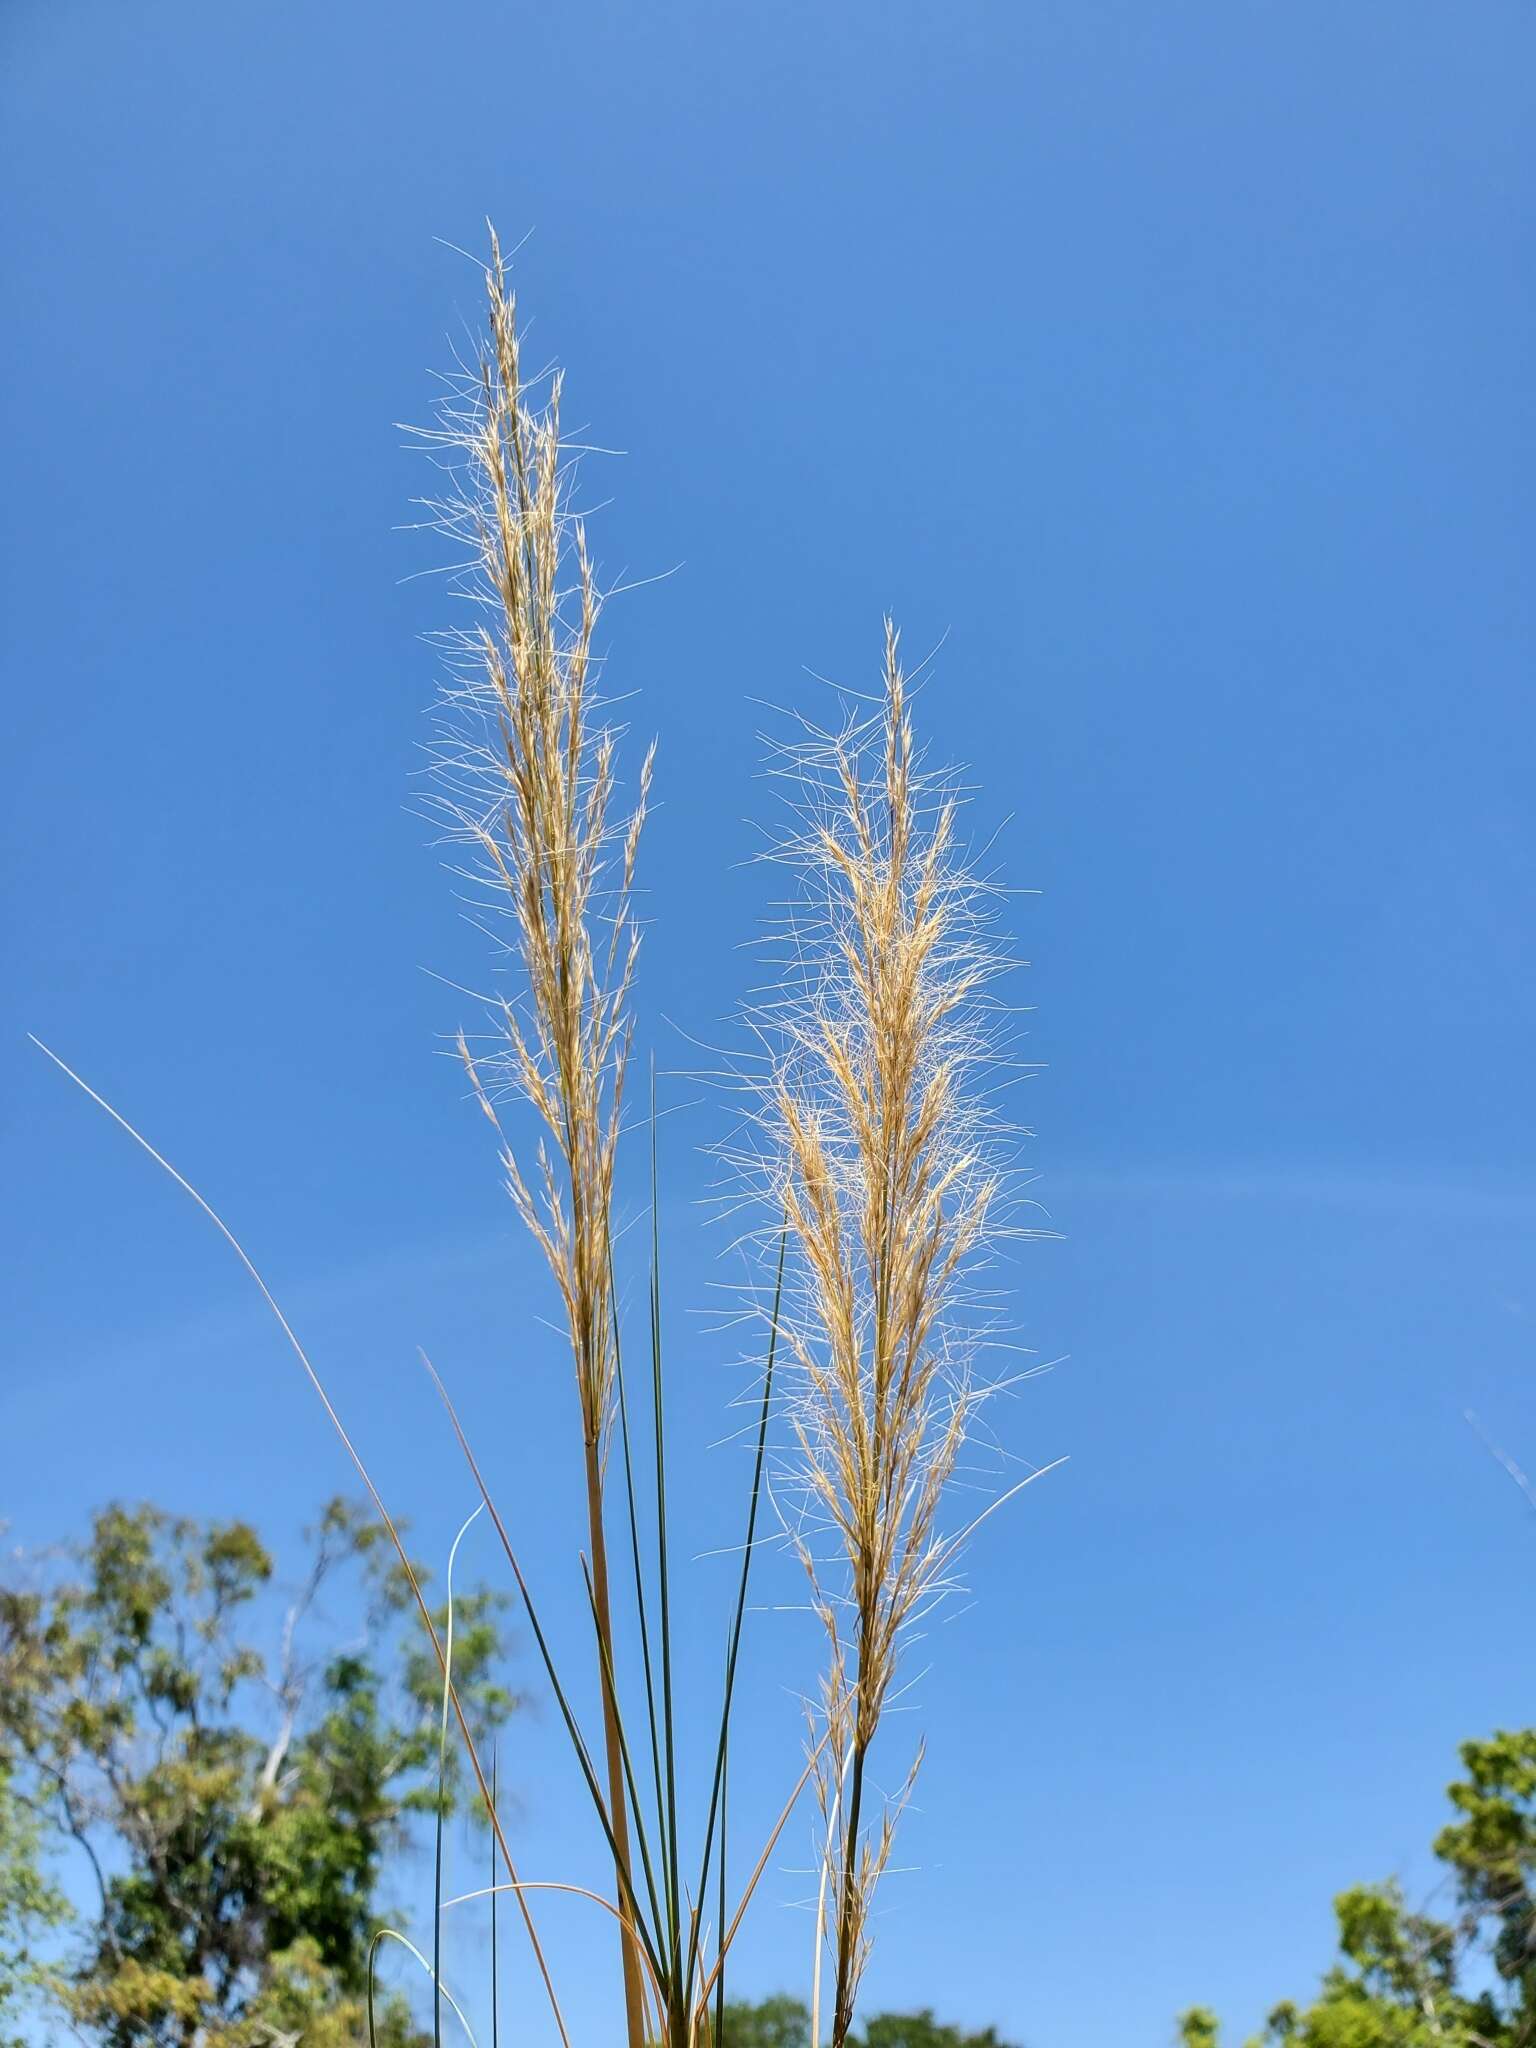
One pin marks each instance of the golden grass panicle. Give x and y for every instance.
(885, 1155)
(526, 779)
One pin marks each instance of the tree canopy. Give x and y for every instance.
(225, 1792)
(1407, 1980)
(785, 2022)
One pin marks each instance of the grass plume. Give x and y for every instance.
(884, 1168)
(526, 780)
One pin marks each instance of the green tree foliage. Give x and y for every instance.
(1396, 1987)
(29, 1904)
(227, 1796)
(1492, 1849)
(779, 2022)
(784, 2022)
(1199, 2028)
(1405, 1980)
(921, 2030)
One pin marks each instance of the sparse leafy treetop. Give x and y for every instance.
(228, 1795)
(1406, 1980)
(785, 2022)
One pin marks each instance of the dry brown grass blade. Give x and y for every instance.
(578, 1891)
(728, 1935)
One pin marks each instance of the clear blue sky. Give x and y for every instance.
(1175, 362)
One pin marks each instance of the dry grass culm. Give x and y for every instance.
(526, 776)
(882, 1152)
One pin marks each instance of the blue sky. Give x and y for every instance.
(1171, 365)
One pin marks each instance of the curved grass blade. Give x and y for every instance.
(728, 1935)
(577, 1891)
(391, 1934)
(573, 1730)
(495, 1959)
(362, 1472)
(442, 1788)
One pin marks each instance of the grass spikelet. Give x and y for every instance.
(526, 780)
(883, 1155)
